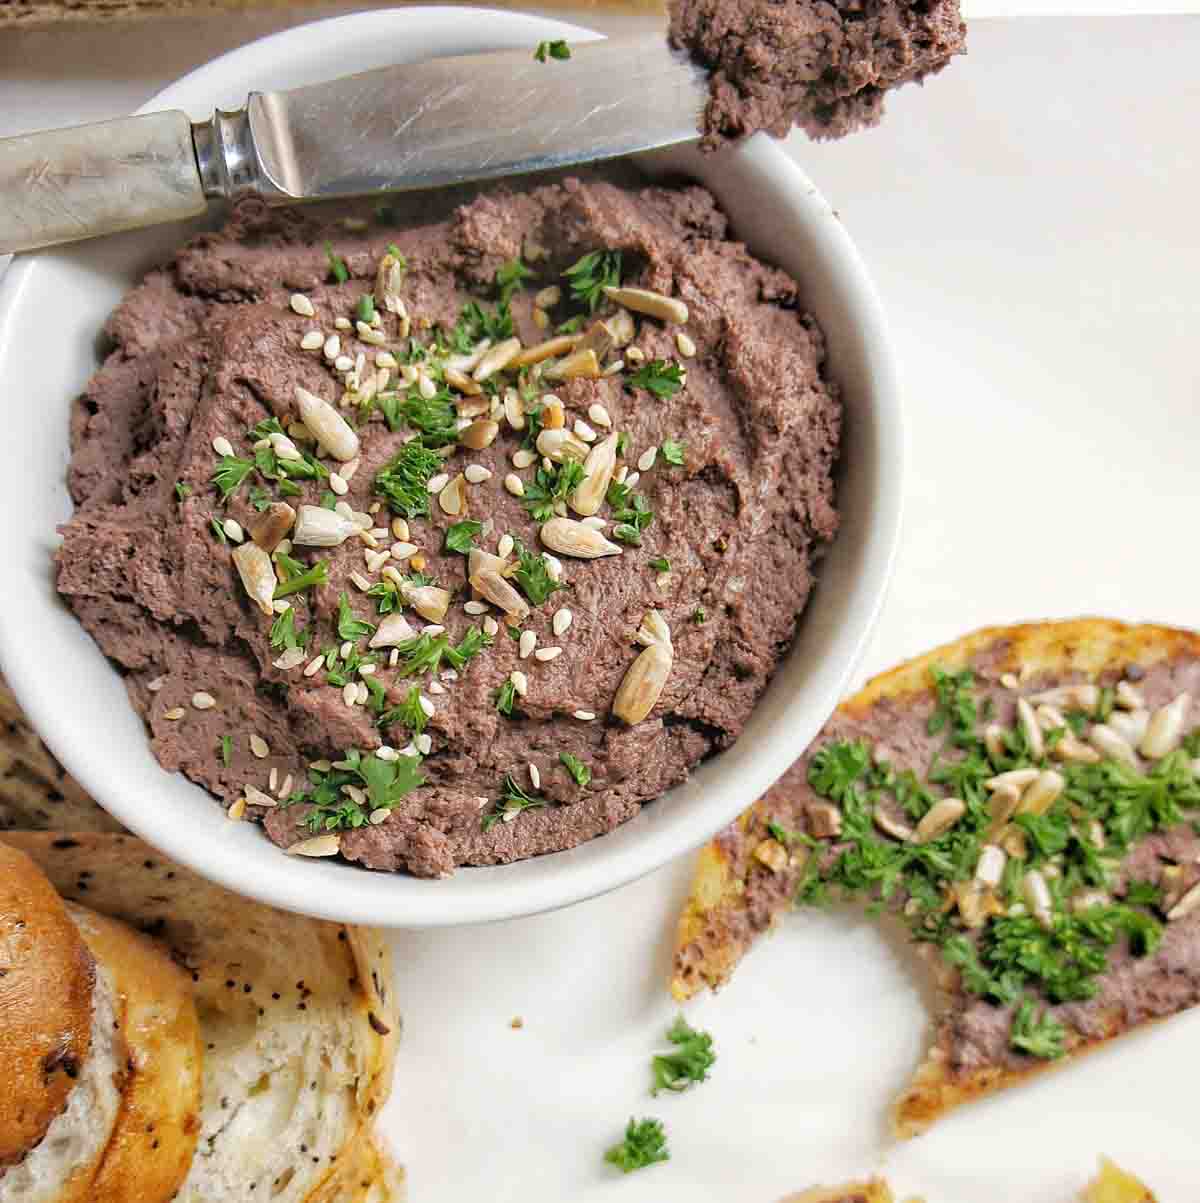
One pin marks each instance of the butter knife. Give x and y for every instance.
(420, 125)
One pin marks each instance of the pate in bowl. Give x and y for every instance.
(661, 668)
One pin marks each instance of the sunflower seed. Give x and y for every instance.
(520, 682)
(492, 586)
(562, 621)
(1130, 725)
(891, 826)
(302, 305)
(480, 434)
(222, 446)
(429, 601)
(1069, 697)
(643, 683)
(497, 359)
(292, 658)
(526, 644)
(512, 482)
(989, 869)
(599, 414)
(647, 458)
(174, 714)
(1037, 896)
(514, 409)
(338, 484)
(584, 716)
(546, 654)
(1186, 904)
(393, 630)
(476, 474)
(438, 483)
(548, 297)
(318, 527)
(684, 345)
(550, 349)
(581, 364)
(453, 498)
(1042, 793)
(993, 738)
(1128, 697)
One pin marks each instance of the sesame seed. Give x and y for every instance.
(424, 744)
(314, 340)
(512, 482)
(434, 628)
(346, 648)
(233, 530)
(490, 626)
(236, 810)
(273, 779)
(393, 657)
(376, 559)
(333, 347)
(341, 323)
(370, 336)
(285, 788)
(426, 387)
(439, 482)
(684, 345)
(474, 607)
(259, 747)
(385, 359)
(320, 766)
(338, 484)
(476, 474)
(548, 297)
(599, 414)
(292, 658)
(520, 682)
(343, 363)
(155, 685)
(176, 712)
(635, 354)
(222, 446)
(553, 565)
(402, 551)
(647, 458)
(547, 653)
(562, 620)
(585, 716)
(584, 431)
(436, 688)
(399, 528)
(378, 815)
(387, 753)
(523, 458)
(203, 701)
(350, 693)
(360, 581)
(1009, 681)
(527, 643)
(314, 666)
(302, 305)
(632, 479)
(255, 796)
(594, 521)
(365, 670)
(535, 777)
(505, 546)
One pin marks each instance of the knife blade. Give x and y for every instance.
(421, 125)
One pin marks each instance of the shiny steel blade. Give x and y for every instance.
(475, 117)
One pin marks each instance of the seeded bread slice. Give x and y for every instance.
(298, 1023)
(36, 792)
(745, 880)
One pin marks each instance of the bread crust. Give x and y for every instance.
(151, 1147)
(1085, 645)
(47, 978)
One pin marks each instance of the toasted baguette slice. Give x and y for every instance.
(742, 883)
(297, 1019)
(150, 1150)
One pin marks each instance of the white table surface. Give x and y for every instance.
(1031, 219)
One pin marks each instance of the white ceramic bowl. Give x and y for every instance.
(52, 307)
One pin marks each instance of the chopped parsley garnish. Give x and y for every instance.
(260, 498)
(591, 274)
(337, 268)
(343, 673)
(548, 487)
(182, 490)
(699, 616)
(645, 1143)
(425, 653)
(688, 1064)
(622, 443)
(513, 801)
(631, 513)
(284, 634)
(578, 770)
(286, 488)
(505, 696)
(376, 694)
(435, 417)
(328, 500)
(533, 575)
(557, 49)
(1039, 1035)
(318, 574)
(226, 750)
(662, 377)
(1143, 893)
(509, 278)
(264, 429)
(571, 326)
(397, 254)
(385, 783)
(229, 474)
(409, 712)
(461, 536)
(365, 309)
(673, 452)
(349, 627)
(475, 322)
(404, 480)
(661, 564)
(218, 529)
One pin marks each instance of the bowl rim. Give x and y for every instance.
(350, 894)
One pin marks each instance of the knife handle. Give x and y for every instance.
(67, 184)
